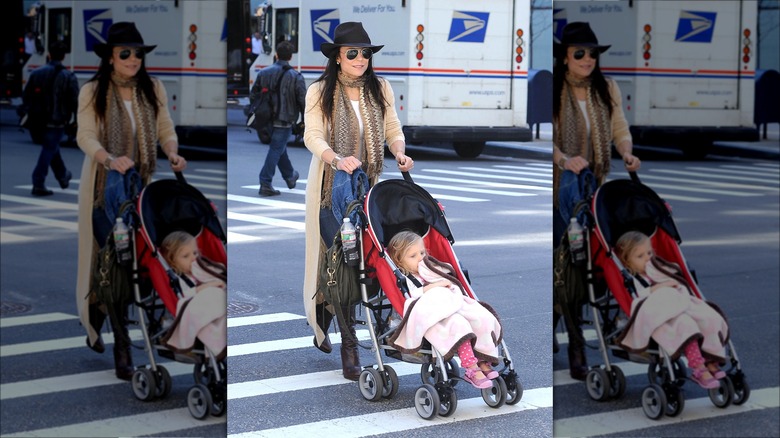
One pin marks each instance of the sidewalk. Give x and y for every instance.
(768, 148)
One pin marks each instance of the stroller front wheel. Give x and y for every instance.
(426, 401)
(371, 384)
(597, 383)
(144, 384)
(199, 401)
(722, 396)
(653, 402)
(495, 396)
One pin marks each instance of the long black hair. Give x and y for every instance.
(331, 75)
(103, 78)
(597, 78)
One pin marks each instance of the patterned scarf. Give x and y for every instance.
(345, 132)
(117, 133)
(570, 134)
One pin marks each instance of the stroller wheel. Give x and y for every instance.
(675, 400)
(448, 400)
(653, 402)
(426, 401)
(721, 396)
(617, 382)
(390, 387)
(164, 383)
(199, 401)
(495, 396)
(371, 384)
(597, 383)
(741, 388)
(514, 389)
(144, 385)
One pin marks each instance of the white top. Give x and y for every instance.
(356, 108)
(129, 108)
(257, 45)
(584, 109)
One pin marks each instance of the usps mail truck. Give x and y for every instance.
(685, 68)
(190, 57)
(458, 68)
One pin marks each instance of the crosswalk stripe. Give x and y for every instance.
(709, 175)
(626, 420)
(241, 321)
(562, 377)
(37, 220)
(57, 344)
(306, 381)
(404, 419)
(531, 172)
(730, 171)
(669, 197)
(749, 168)
(35, 319)
(293, 225)
(267, 202)
(49, 204)
(6, 237)
(481, 183)
(79, 381)
(540, 167)
(151, 423)
(427, 186)
(234, 237)
(190, 177)
(285, 344)
(703, 190)
(488, 176)
(709, 183)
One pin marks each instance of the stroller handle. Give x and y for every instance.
(407, 176)
(634, 177)
(180, 177)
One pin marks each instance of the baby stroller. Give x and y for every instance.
(162, 207)
(617, 207)
(389, 207)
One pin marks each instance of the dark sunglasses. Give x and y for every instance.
(580, 53)
(125, 53)
(353, 53)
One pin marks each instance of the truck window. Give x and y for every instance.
(287, 27)
(60, 27)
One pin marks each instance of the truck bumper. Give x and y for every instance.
(466, 134)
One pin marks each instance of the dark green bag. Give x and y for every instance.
(569, 281)
(339, 283)
(111, 282)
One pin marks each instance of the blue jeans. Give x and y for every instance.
(49, 156)
(277, 156)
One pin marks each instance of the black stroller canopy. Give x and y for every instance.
(396, 205)
(624, 205)
(169, 205)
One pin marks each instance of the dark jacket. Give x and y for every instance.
(54, 90)
(292, 91)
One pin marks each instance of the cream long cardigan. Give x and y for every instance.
(316, 138)
(88, 136)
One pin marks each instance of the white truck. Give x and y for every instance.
(458, 69)
(190, 57)
(685, 68)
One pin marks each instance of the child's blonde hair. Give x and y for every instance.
(399, 244)
(173, 243)
(626, 244)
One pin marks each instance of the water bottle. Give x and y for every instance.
(349, 243)
(122, 242)
(576, 242)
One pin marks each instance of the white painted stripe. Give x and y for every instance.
(480, 183)
(428, 186)
(40, 202)
(441, 197)
(35, 319)
(13, 238)
(241, 321)
(514, 240)
(79, 381)
(709, 183)
(540, 173)
(192, 177)
(220, 187)
(704, 190)
(711, 175)
(57, 344)
(256, 187)
(668, 197)
(722, 171)
(233, 237)
(749, 168)
(294, 225)
(267, 202)
(541, 167)
(546, 181)
(562, 377)
(626, 420)
(284, 344)
(36, 220)
(152, 423)
(404, 419)
(214, 171)
(305, 381)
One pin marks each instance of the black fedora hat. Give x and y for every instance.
(122, 33)
(578, 34)
(349, 34)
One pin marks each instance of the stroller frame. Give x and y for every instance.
(664, 395)
(437, 394)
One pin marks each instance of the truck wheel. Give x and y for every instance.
(470, 149)
(696, 151)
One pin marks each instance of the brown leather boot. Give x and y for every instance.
(123, 357)
(350, 357)
(578, 363)
(324, 317)
(96, 319)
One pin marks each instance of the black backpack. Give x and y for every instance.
(261, 112)
(50, 101)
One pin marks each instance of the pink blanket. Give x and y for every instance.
(446, 318)
(672, 317)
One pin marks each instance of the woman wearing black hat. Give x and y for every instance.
(350, 114)
(123, 114)
(587, 118)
